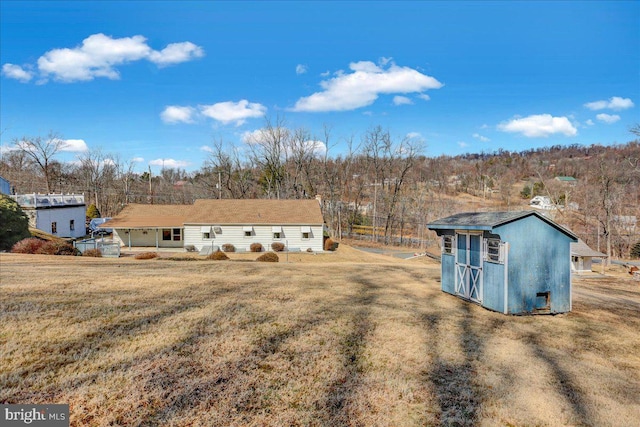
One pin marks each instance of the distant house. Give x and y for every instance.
(62, 215)
(582, 257)
(542, 202)
(5, 186)
(511, 262)
(298, 224)
(566, 180)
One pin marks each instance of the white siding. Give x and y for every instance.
(291, 235)
(62, 217)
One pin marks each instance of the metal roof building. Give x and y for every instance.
(511, 262)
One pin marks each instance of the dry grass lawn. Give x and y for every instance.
(342, 339)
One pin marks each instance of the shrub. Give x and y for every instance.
(268, 257)
(93, 252)
(256, 247)
(330, 245)
(277, 246)
(228, 247)
(14, 226)
(146, 255)
(92, 212)
(218, 256)
(309, 250)
(27, 246)
(57, 248)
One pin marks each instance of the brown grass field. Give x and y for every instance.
(340, 339)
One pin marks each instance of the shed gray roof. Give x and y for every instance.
(580, 248)
(489, 221)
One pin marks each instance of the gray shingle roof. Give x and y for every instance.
(488, 221)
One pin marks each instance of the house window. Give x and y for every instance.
(206, 232)
(447, 245)
(166, 234)
(177, 235)
(54, 227)
(306, 232)
(72, 225)
(206, 235)
(494, 251)
(277, 232)
(247, 230)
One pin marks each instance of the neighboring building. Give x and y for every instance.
(582, 256)
(542, 202)
(511, 262)
(63, 215)
(567, 180)
(212, 223)
(5, 187)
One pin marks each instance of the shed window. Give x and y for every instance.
(206, 232)
(277, 232)
(248, 230)
(447, 245)
(54, 227)
(494, 251)
(72, 225)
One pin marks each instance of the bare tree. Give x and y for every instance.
(41, 151)
(267, 150)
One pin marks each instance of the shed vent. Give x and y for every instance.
(543, 300)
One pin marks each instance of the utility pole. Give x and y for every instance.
(150, 196)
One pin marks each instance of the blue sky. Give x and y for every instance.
(159, 81)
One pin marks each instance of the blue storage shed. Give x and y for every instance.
(511, 262)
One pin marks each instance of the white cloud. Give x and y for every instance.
(361, 87)
(480, 137)
(206, 149)
(608, 118)
(401, 100)
(424, 96)
(99, 55)
(169, 163)
(413, 135)
(462, 144)
(177, 114)
(73, 145)
(301, 69)
(176, 53)
(540, 125)
(325, 74)
(138, 159)
(615, 103)
(259, 136)
(238, 112)
(16, 72)
(589, 122)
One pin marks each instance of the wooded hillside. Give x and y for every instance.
(381, 185)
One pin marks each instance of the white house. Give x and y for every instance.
(298, 224)
(62, 215)
(582, 257)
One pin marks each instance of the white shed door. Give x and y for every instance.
(469, 266)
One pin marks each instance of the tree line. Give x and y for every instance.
(380, 183)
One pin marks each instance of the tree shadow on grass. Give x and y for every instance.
(566, 385)
(337, 407)
(459, 395)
